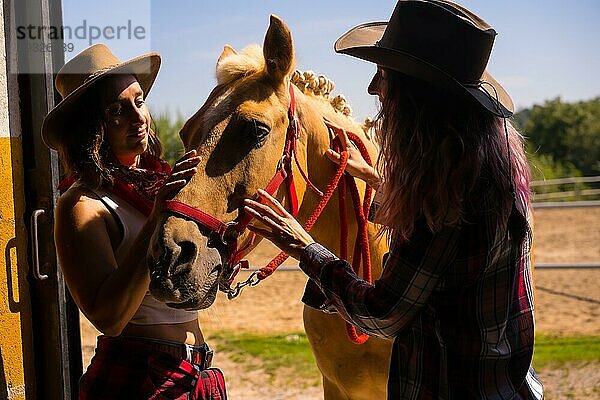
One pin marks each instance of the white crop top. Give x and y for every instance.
(151, 311)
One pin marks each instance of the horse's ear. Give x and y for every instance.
(227, 51)
(278, 49)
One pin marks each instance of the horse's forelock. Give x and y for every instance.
(234, 66)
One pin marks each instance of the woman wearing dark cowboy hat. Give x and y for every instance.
(116, 184)
(455, 293)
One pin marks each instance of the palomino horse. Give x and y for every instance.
(240, 132)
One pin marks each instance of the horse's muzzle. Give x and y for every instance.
(180, 261)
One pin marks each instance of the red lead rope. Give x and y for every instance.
(361, 246)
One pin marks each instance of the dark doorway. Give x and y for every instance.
(55, 320)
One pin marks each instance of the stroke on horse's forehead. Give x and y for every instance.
(219, 110)
(207, 117)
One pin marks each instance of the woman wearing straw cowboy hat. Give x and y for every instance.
(455, 293)
(116, 184)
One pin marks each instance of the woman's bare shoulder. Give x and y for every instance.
(80, 203)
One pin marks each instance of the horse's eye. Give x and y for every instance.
(256, 132)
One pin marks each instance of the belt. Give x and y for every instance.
(198, 355)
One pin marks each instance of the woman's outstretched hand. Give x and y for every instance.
(281, 227)
(357, 166)
(182, 172)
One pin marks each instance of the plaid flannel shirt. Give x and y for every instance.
(458, 304)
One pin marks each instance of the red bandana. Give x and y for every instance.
(139, 185)
(136, 185)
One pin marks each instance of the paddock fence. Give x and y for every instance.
(550, 193)
(580, 191)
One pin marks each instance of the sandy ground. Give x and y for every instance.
(561, 236)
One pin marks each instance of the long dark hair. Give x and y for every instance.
(84, 152)
(435, 146)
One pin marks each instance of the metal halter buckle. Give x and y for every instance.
(234, 292)
(281, 162)
(295, 126)
(228, 226)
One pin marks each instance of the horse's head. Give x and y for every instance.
(237, 129)
(240, 133)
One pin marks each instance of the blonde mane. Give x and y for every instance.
(232, 66)
(319, 85)
(315, 85)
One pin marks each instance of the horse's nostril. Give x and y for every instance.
(188, 251)
(173, 258)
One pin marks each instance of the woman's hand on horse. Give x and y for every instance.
(357, 166)
(182, 172)
(281, 227)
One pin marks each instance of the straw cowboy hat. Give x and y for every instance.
(80, 73)
(436, 41)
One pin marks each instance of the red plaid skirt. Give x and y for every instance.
(135, 368)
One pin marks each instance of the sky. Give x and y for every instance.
(544, 48)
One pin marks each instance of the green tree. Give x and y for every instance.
(168, 133)
(545, 167)
(568, 132)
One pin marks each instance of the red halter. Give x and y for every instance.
(228, 232)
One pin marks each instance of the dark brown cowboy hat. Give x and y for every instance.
(80, 73)
(436, 41)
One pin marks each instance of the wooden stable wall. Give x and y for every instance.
(15, 307)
